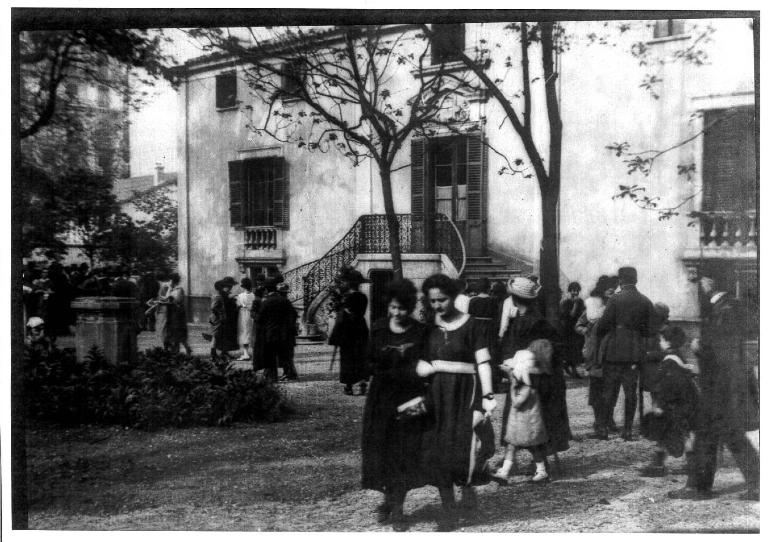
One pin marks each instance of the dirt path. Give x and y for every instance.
(303, 475)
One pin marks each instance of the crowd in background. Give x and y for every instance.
(258, 321)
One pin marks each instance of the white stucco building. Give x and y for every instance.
(250, 204)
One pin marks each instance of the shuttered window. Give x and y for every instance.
(730, 168)
(447, 42)
(258, 190)
(226, 90)
(665, 28)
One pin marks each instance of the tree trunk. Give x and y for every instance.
(549, 260)
(393, 226)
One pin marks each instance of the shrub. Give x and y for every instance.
(162, 389)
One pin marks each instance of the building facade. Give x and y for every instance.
(249, 204)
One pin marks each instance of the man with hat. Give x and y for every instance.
(626, 324)
(729, 400)
(277, 327)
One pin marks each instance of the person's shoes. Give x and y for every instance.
(653, 471)
(399, 524)
(383, 512)
(284, 378)
(627, 435)
(540, 478)
(752, 494)
(612, 427)
(598, 435)
(468, 500)
(347, 390)
(691, 493)
(500, 477)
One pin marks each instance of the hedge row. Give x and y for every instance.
(162, 389)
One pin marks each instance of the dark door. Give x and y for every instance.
(380, 279)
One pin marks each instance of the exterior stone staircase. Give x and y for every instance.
(491, 267)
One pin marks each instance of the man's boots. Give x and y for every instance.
(656, 468)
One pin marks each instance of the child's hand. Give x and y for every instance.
(489, 405)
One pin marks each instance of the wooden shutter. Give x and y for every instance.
(280, 194)
(236, 194)
(730, 174)
(418, 192)
(477, 173)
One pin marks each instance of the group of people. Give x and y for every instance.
(426, 418)
(258, 321)
(48, 292)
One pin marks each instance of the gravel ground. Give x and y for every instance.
(303, 475)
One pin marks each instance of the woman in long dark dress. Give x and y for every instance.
(528, 326)
(177, 316)
(350, 333)
(223, 340)
(458, 445)
(392, 440)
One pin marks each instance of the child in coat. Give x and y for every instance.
(525, 424)
(674, 402)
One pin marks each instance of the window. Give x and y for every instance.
(293, 79)
(103, 97)
(448, 172)
(668, 27)
(729, 162)
(258, 192)
(447, 42)
(226, 90)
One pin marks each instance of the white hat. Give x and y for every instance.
(35, 321)
(523, 287)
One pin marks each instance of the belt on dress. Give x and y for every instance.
(456, 367)
(483, 318)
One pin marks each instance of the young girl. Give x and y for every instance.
(674, 410)
(245, 301)
(525, 426)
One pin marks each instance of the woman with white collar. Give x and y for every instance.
(457, 447)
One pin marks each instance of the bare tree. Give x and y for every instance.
(338, 90)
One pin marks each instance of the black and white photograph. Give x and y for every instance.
(358, 268)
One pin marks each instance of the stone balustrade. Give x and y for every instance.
(260, 238)
(725, 229)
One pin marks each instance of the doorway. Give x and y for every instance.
(380, 279)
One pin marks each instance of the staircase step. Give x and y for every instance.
(472, 259)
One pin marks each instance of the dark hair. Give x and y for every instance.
(529, 303)
(175, 278)
(246, 283)
(483, 284)
(161, 275)
(600, 286)
(218, 285)
(461, 284)
(443, 282)
(662, 311)
(675, 336)
(404, 292)
(574, 286)
(499, 289)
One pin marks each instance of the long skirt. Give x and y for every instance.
(162, 331)
(244, 326)
(391, 448)
(353, 362)
(455, 450)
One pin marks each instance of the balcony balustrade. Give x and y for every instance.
(728, 229)
(260, 238)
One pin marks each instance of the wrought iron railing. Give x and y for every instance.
(726, 229)
(370, 235)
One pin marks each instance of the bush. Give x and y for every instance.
(162, 389)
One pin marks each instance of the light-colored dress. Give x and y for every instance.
(162, 330)
(244, 321)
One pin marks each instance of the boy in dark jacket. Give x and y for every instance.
(675, 399)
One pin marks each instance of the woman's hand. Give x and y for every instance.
(489, 405)
(424, 369)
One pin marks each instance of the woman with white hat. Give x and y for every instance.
(527, 327)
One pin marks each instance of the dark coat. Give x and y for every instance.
(729, 388)
(677, 396)
(350, 334)
(277, 319)
(523, 330)
(391, 447)
(626, 324)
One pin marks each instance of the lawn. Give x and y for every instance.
(303, 475)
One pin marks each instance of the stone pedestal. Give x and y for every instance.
(107, 323)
